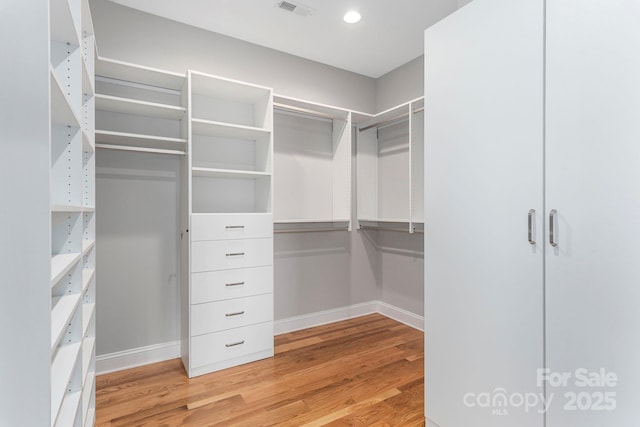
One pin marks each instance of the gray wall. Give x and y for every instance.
(137, 194)
(400, 85)
(130, 35)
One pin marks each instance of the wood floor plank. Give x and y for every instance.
(363, 371)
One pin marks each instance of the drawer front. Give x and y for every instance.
(233, 313)
(228, 284)
(227, 254)
(231, 226)
(230, 344)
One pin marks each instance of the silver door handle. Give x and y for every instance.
(235, 254)
(234, 284)
(234, 226)
(233, 344)
(237, 313)
(552, 233)
(532, 212)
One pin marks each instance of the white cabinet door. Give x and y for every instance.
(483, 173)
(593, 181)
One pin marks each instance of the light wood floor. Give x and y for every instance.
(365, 371)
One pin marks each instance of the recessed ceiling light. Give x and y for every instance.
(352, 17)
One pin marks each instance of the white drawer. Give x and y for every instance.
(225, 254)
(227, 284)
(230, 226)
(234, 313)
(230, 344)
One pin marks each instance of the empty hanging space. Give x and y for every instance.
(389, 169)
(312, 156)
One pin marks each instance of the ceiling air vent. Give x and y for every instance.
(294, 7)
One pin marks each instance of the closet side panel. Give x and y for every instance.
(593, 171)
(25, 221)
(483, 173)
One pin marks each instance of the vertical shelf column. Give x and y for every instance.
(72, 211)
(416, 156)
(88, 301)
(228, 292)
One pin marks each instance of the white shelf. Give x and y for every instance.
(62, 112)
(228, 173)
(87, 245)
(61, 371)
(308, 107)
(87, 145)
(69, 409)
(88, 209)
(62, 25)
(358, 117)
(66, 208)
(61, 264)
(139, 74)
(87, 81)
(87, 351)
(220, 129)
(86, 396)
(62, 310)
(87, 313)
(90, 418)
(134, 140)
(224, 88)
(118, 104)
(87, 276)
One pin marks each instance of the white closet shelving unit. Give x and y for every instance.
(390, 170)
(312, 186)
(227, 242)
(139, 108)
(72, 214)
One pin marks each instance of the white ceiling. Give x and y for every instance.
(390, 33)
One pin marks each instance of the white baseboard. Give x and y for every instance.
(310, 320)
(137, 357)
(318, 318)
(160, 352)
(401, 315)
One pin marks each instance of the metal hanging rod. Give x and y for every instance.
(140, 149)
(387, 122)
(396, 119)
(300, 110)
(383, 228)
(310, 230)
(137, 85)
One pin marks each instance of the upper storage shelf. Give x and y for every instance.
(139, 108)
(117, 104)
(128, 72)
(229, 101)
(230, 145)
(65, 18)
